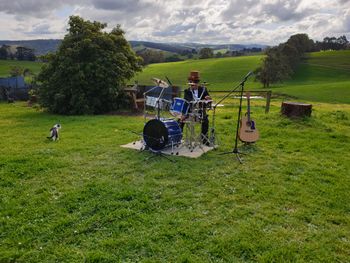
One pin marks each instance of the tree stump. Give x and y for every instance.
(296, 109)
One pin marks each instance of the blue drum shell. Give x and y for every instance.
(159, 134)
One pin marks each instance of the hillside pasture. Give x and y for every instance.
(86, 199)
(221, 74)
(5, 66)
(322, 76)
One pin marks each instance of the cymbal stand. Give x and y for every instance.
(213, 140)
(158, 102)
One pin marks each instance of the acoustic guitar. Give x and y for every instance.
(247, 131)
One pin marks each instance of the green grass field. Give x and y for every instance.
(222, 74)
(5, 66)
(86, 199)
(324, 76)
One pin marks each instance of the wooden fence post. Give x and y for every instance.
(268, 100)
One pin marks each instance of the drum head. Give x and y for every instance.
(155, 134)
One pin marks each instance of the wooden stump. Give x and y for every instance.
(296, 109)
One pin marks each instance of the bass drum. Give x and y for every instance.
(160, 134)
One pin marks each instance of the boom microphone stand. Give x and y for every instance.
(240, 85)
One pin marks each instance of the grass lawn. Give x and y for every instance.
(5, 66)
(85, 199)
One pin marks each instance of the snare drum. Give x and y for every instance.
(179, 107)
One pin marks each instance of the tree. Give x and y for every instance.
(206, 53)
(3, 53)
(301, 42)
(88, 71)
(218, 55)
(16, 71)
(291, 54)
(275, 68)
(24, 53)
(150, 56)
(281, 61)
(173, 58)
(342, 41)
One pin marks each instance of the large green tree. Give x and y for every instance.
(275, 67)
(206, 53)
(281, 61)
(86, 74)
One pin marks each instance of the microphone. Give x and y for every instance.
(247, 76)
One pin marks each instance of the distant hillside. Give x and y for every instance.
(43, 46)
(180, 48)
(323, 76)
(40, 46)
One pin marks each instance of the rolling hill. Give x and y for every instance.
(221, 73)
(322, 76)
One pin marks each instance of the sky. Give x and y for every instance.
(199, 21)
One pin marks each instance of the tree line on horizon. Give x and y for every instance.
(20, 53)
(281, 61)
(151, 56)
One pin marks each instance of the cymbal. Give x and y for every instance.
(203, 83)
(160, 83)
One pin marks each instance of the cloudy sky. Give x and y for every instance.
(201, 21)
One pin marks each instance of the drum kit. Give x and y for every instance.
(175, 123)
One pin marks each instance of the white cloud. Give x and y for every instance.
(214, 21)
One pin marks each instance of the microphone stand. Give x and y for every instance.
(212, 135)
(241, 86)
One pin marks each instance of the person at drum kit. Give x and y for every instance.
(197, 95)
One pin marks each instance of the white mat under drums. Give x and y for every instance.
(182, 150)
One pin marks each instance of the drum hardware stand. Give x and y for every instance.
(213, 140)
(158, 153)
(194, 140)
(241, 86)
(161, 84)
(190, 135)
(144, 105)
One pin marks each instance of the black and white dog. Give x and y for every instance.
(54, 132)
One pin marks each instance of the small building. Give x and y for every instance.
(13, 88)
